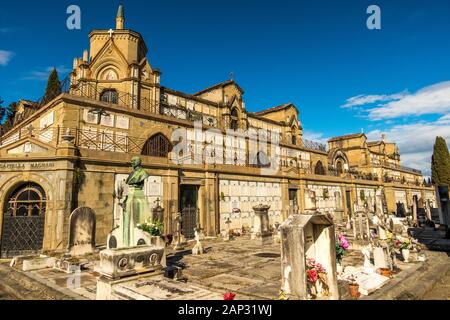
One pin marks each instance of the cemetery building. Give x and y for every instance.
(75, 151)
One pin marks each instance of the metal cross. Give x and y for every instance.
(111, 32)
(30, 130)
(100, 113)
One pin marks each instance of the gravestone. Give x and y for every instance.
(435, 215)
(381, 257)
(158, 212)
(82, 231)
(261, 231)
(401, 212)
(361, 229)
(306, 237)
(421, 216)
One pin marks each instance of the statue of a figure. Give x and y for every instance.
(136, 209)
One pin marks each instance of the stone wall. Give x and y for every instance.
(237, 198)
(97, 194)
(328, 198)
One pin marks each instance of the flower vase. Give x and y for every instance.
(405, 254)
(319, 288)
(354, 290)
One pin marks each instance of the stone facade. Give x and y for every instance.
(116, 108)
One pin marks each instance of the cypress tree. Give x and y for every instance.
(2, 111)
(53, 87)
(440, 166)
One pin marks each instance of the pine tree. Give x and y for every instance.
(53, 87)
(440, 166)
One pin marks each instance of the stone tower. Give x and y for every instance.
(120, 19)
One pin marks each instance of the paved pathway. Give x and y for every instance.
(16, 286)
(239, 266)
(441, 290)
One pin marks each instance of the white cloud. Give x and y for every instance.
(434, 99)
(315, 136)
(5, 30)
(5, 57)
(42, 74)
(362, 100)
(416, 141)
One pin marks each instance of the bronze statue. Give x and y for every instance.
(136, 209)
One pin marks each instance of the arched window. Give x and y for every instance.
(319, 169)
(157, 146)
(262, 161)
(27, 201)
(294, 135)
(234, 119)
(339, 167)
(23, 220)
(110, 96)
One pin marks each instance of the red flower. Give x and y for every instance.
(229, 296)
(312, 276)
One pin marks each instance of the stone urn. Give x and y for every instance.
(405, 255)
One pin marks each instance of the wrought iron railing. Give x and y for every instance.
(94, 91)
(314, 145)
(403, 168)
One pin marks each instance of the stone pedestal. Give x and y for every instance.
(120, 263)
(261, 231)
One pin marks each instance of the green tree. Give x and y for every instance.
(53, 87)
(2, 111)
(440, 163)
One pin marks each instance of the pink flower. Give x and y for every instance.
(343, 242)
(229, 296)
(312, 276)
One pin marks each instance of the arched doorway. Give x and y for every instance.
(157, 146)
(23, 220)
(319, 169)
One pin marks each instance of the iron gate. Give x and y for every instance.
(23, 221)
(189, 222)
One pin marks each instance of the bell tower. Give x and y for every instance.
(120, 19)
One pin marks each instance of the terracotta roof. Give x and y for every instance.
(374, 143)
(220, 85)
(347, 137)
(274, 109)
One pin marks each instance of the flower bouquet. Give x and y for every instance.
(155, 228)
(342, 247)
(317, 279)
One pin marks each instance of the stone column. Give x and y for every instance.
(414, 210)
(261, 230)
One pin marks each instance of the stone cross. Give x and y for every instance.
(178, 246)
(361, 227)
(227, 235)
(111, 32)
(30, 130)
(198, 248)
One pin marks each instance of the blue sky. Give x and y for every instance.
(319, 55)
